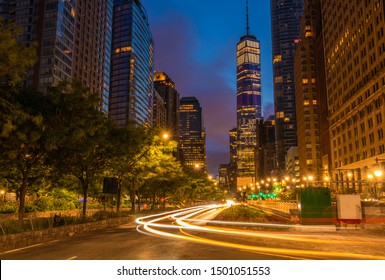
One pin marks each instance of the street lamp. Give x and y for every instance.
(378, 173)
(308, 179)
(165, 136)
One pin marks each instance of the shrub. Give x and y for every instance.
(242, 213)
(9, 208)
(30, 207)
(43, 203)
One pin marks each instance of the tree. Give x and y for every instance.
(15, 58)
(128, 145)
(162, 172)
(80, 140)
(23, 142)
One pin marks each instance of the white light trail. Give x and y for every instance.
(186, 220)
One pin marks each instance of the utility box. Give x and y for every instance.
(315, 206)
(349, 208)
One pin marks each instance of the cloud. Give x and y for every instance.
(178, 52)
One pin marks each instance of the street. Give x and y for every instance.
(188, 234)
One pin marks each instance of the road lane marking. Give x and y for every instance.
(27, 247)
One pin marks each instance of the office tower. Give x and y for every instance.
(132, 74)
(192, 134)
(354, 40)
(248, 105)
(285, 19)
(223, 177)
(159, 112)
(292, 166)
(73, 41)
(267, 147)
(306, 95)
(166, 89)
(92, 44)
(233, 159)
(322, 101)
(6, 9)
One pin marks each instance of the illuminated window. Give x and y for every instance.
(278, 79)
(305, 81)
(277, 58)
(306, 103)
(280, 115)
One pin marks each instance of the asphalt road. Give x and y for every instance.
(191, 234)
(125, 243)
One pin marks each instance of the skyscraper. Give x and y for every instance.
(73, 41)
(92, 45)
(248, 104)
(192, 134)
(166, 89)
(306, 87)
(285, 18)
(159, 112)
(132, 73)
(354, 40)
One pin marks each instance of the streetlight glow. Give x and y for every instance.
(378, 173)
(165, 136)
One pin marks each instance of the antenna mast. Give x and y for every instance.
(247, 18)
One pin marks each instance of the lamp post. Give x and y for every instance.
(308, 179)
(378, 173)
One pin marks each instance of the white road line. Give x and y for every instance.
(28, 247)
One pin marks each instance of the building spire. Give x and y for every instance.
(247, 18)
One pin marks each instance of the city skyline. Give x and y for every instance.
(196, 48)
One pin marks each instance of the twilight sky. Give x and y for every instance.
(195, 44)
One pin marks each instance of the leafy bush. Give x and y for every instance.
(43, 203)
(30, 207)
(9, 208)
(242, 213)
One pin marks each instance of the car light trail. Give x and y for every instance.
(183, 220)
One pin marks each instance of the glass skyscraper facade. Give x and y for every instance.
(285, 19)
(73, 41)
(249, 109)
(166, 89)
(92, 45)
(132, 73)
(57, 43)
(192, 134)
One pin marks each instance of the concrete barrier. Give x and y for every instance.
(13, 241)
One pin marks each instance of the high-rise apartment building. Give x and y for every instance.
(306, 89)
(285, 18)
(192, 137)
(248, 105)
(166, 89)
(354, 40)
(132, 71)
(73, 41)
